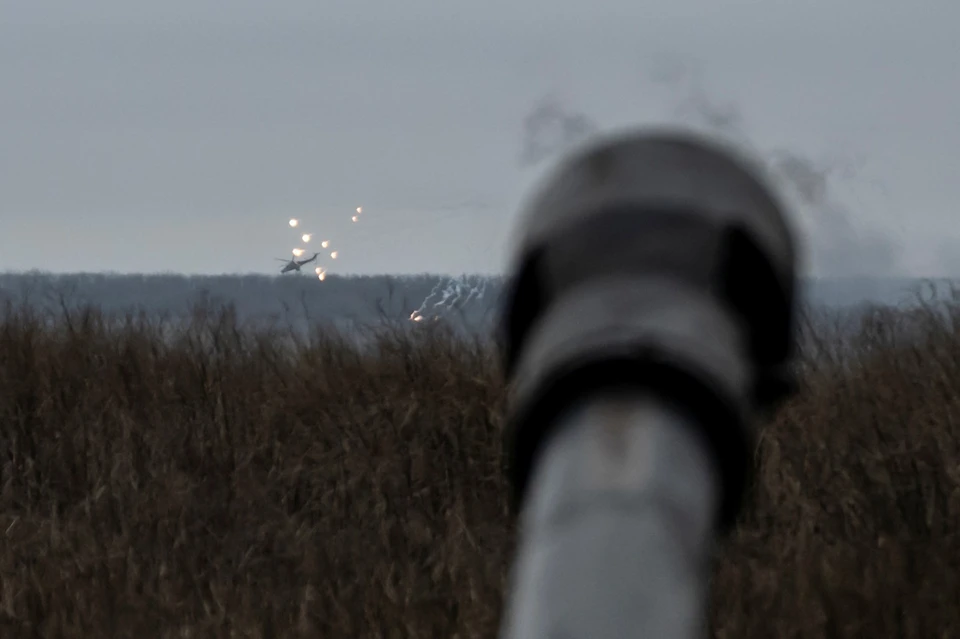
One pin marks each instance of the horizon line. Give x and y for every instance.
(37, 271)
(403, 274)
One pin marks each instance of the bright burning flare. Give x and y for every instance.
(359, 210)
(325, 243)
(306, 237)
(318, 270)
(294, 222)
(355, 218)
(322, 276)
(333, 255)
(298, 252)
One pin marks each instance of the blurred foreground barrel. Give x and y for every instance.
(648, 323)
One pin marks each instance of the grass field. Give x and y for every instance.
(221, 483)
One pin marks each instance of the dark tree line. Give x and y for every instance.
(363, 299)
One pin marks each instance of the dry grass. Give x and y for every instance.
(220, 483)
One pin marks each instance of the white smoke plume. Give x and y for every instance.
(450, 295)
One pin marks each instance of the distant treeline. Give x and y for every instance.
(364, 299)
(295, 298)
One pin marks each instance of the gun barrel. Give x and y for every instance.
(647, 328)
(618, 526)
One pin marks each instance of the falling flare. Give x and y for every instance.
(306, 238)
(446, 296)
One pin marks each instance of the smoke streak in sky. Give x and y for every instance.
(837, 243)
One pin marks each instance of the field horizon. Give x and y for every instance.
(367, 298)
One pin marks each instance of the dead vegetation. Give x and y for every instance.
(213, 481)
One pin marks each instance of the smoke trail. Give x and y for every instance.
(836, 244)
(449, 295)
(550, 130)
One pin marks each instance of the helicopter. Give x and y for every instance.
(293, 264)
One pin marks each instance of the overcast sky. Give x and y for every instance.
(182, 135)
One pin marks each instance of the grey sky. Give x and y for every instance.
(182, 135)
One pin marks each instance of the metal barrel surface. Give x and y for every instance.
(647, 326)
(618, 527)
